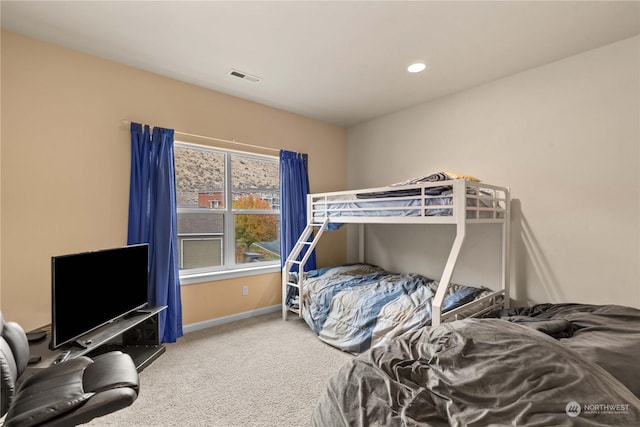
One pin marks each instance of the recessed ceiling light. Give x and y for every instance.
(417, 67)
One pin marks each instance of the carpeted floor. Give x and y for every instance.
(256, 372)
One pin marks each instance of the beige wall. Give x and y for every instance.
(65, 167)
(565, 137)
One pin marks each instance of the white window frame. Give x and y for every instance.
(230, 269)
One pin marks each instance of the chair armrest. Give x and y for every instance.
(111, 370)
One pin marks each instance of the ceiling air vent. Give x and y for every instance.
(244, 76)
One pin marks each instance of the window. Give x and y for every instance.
(228, 210)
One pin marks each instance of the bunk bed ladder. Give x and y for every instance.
(305, 246)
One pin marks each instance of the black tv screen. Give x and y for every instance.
(91, 289)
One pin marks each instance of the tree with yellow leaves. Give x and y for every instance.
(251, 228)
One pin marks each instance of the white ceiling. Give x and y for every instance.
(342, 62)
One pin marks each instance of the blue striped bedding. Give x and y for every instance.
(357, 306)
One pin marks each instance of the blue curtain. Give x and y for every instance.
(153, 220)
(294, 187)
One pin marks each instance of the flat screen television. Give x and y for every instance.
(91, 289)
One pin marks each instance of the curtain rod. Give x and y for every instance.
(210, 138)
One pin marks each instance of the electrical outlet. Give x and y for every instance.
(245, 290)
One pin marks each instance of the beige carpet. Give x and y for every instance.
(258, 372)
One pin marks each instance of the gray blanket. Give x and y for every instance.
(475, 372)
(608, 335)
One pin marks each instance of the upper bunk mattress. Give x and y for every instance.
(428, 199)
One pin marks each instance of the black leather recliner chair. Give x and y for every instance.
(65, 394)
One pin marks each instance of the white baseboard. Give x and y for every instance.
(226, 319)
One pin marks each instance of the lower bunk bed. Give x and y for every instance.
(550, 364)
(357, 306)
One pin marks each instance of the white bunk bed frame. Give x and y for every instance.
(469, 203)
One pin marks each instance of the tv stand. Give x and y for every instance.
(142, 311)
(136, 334)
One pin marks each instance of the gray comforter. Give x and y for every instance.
(484, 372)
(608, 335)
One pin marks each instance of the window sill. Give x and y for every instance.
(189, 279)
